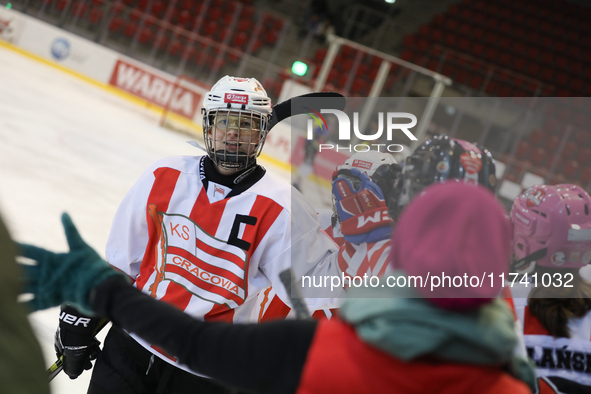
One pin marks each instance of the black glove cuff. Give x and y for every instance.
(76, 329)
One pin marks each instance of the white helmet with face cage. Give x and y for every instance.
(236, 114)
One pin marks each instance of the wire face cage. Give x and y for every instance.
(234, 138)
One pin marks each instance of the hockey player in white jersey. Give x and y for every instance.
(206, 234)
(364, 250)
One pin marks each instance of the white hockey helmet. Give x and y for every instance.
(240, 105)
(368, 162)
(381, 167)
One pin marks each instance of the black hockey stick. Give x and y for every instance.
(58, 366)
(300, 105)
(295, 295)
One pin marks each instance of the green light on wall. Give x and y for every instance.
(299, 68)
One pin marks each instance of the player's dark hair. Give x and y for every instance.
(554, 306)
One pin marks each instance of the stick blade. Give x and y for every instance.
(302, 104)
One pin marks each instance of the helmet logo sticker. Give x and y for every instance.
(362, 164)
(467, 145)
(558, 258)
(534, 197)
(442, 166)
(574, 257)
(522, 219)
(471, 162)
(236, 98)
(492, 179)
(258, 88)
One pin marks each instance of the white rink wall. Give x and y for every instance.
(139, 82)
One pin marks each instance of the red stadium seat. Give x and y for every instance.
(538, 156)
(158, 9)
(362, 70)
(360, 87)
(246, 25)
(240, 40)
(217, 63)
(536, 137)
(333, 76)
(255, 46)
(570, 150)
(222, 34)
(95, 16)
(247, 13)
(271, 37)
(476, 81)
(584, 156)
(559, 161)
(174, 49)
(319, 55)
(211, 28)
(203, 58)
(160, 42)
(130, 29)
(581, 137)
(570, 169)
(146, 36)
(215, 14)
(135, 15)
(523, 150)
(552, 143)
(278, 24)
(585, 176)
(187, 5)
(184, 18)
(79, 9)
(61, 4)
(116, 24)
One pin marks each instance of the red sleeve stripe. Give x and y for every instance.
(277, 310)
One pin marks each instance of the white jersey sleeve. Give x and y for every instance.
(308, 251)
(129, 231)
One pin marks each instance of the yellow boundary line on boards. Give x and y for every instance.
(124, 95)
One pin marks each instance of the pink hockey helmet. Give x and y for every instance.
(552, 227)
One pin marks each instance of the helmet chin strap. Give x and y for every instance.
(535, 256)
(196, 145)
(232, 160)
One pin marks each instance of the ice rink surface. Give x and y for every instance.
(68, 146)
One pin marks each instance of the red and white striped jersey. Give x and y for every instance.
(209, 251)
(354, 260)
